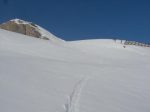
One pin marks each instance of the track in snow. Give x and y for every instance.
(72, 104)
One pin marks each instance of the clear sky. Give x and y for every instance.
(84, 19)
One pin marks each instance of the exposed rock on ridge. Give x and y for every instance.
(28, 28)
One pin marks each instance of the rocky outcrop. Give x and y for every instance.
(20, 26)
(137, 43)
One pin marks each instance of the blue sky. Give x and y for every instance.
(84, 19)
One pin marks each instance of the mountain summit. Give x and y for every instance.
(28, 28)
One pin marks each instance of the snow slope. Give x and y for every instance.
(79, 76)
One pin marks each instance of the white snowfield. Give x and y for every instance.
(79, 76)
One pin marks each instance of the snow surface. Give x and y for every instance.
(79, 76)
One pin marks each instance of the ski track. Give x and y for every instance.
(72, 104)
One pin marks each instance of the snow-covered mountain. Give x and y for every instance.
(30, 29)
(77, 76)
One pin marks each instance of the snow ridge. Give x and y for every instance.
(72, 104)
(43, 32)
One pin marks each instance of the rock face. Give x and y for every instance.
(20, 26)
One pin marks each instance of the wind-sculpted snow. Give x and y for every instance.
(95, 75)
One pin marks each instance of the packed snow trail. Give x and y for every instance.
(72, 104)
